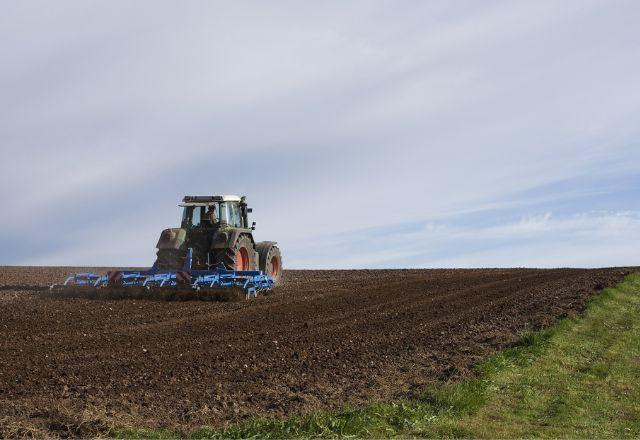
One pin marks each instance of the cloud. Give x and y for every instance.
(581, 239)
(333, 118)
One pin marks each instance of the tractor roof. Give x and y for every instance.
(208, 200)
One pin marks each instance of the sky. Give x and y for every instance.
(365, 134)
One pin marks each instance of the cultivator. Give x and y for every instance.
(155, 283)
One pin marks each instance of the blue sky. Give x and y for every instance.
(365, 134)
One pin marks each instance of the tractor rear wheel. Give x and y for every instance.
(238, 257)
(270, 260)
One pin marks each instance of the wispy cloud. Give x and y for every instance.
(332, 118)
(581, 239)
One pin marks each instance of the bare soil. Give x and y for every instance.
(76, 367)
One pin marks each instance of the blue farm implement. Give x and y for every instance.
(155, 283)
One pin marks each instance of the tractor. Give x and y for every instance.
(217, 230)
(212, 255)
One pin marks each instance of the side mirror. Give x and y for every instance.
(249, 209)
(253, 226)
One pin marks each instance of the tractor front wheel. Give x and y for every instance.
(270, 260)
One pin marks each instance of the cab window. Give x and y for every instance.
(235, 217)
(192, 216)
(196, 218)
(230, 214)
(223, 213)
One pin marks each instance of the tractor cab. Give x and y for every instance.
(214, 211)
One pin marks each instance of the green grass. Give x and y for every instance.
(578, 378)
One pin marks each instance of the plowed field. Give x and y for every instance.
(71, 366)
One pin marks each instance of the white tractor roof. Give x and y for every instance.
(208, 200)
(229, 198)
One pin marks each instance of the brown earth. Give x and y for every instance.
(75, 367)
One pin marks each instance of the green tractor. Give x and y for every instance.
(217, 230)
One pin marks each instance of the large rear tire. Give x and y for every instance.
(239, 257)
(270, 260)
